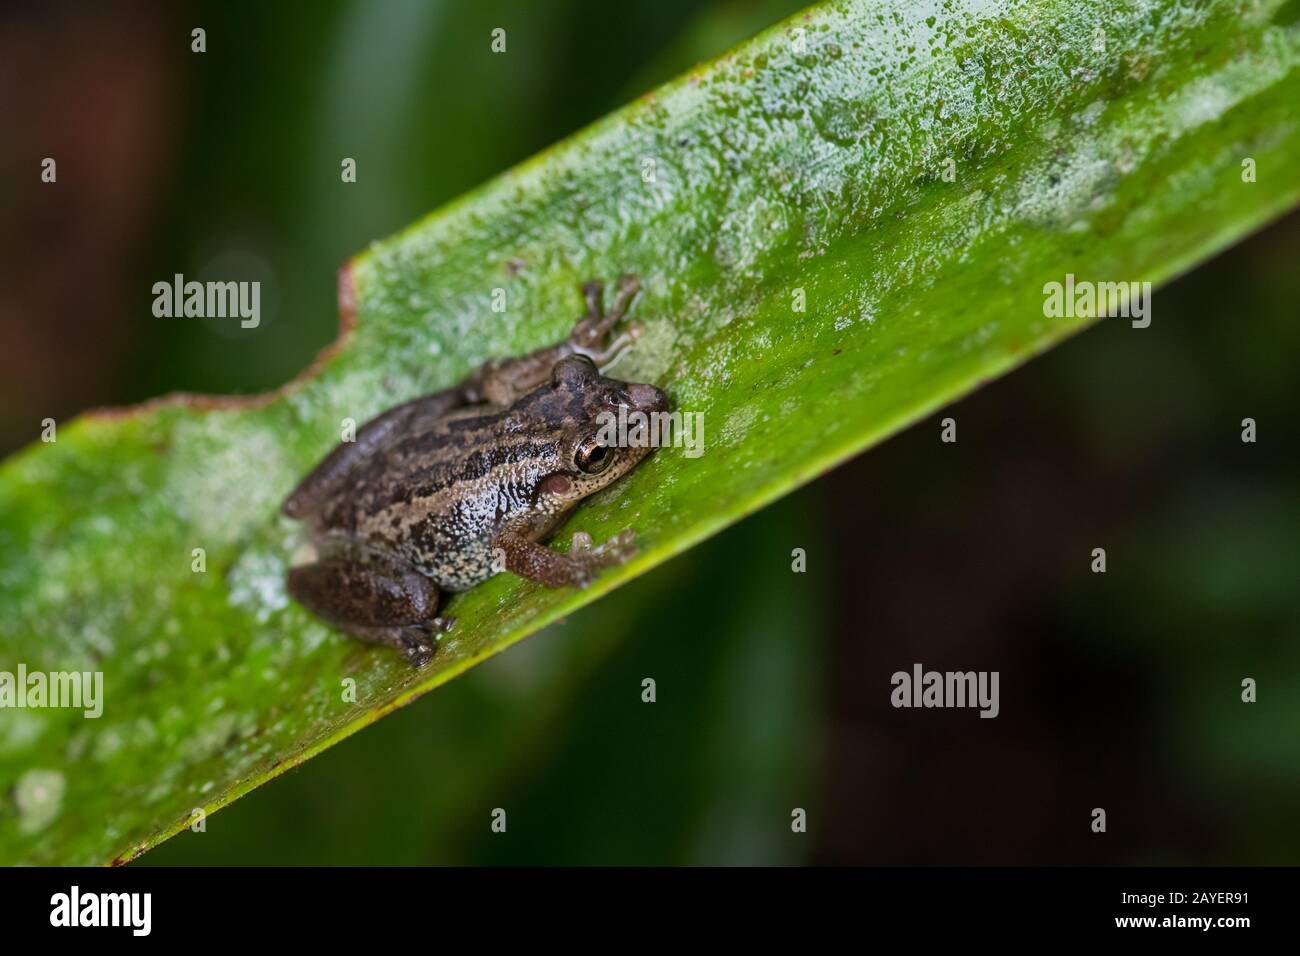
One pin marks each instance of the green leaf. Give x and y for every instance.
(1101, 139)
(737, 751)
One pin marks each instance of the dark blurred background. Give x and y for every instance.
(1119, 690)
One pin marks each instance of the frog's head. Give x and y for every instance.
(604, 428)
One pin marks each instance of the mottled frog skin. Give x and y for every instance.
(442, 492)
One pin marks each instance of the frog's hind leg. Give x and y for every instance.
(375, 598)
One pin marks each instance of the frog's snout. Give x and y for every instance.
(647, 398)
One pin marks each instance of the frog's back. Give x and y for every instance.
(439, 495)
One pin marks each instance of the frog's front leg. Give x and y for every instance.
(503, 382)
(536, 562)
(377, 598)
(590, 337)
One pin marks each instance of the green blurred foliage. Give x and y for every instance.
(426, 115)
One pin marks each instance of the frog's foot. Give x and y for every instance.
(376, 598)
(590, 335)
(413, 641)
(608, 553)
(589, 561)
(617, 345)
(576, 569)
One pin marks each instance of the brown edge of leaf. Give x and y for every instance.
(209, 403)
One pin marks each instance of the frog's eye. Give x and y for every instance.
(574, 371)
(592, 457)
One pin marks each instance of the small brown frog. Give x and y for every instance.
(442, 492)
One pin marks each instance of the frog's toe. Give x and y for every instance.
(414, 643)
(628, 286)
(593, 293)
(417, 655)
(592, 330)
(617, 549)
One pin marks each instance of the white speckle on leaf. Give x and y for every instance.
(257, 584)
(738, 423)
(39, 798)
(1203, 102)
(19, 730)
